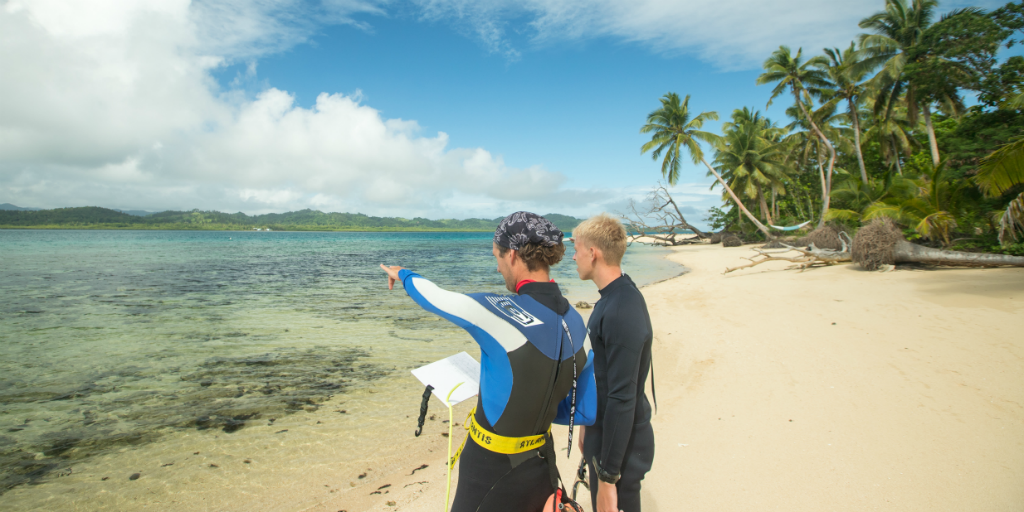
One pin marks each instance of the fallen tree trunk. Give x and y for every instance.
(882, 243)
(906, 252)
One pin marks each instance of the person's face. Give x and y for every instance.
(584, 257)
(505, 266)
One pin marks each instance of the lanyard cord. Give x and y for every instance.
(572, 410)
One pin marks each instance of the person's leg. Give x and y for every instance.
(591, 445)
(637, 462)
(479, 469)
(489, 483)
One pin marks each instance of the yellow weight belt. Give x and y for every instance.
(496, 443)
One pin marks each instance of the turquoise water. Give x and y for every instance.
(122, 340)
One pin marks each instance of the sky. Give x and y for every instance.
(431, 108)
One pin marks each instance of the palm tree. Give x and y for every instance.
(792, 73)
(896, 43)
(807, 144)
(845, 71)
(893, 133)
(860, 197)
(673, 130)
(929, 211)
(752, 158)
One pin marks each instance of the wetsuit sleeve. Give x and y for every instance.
(624, 334)
(495, 336)
(586, 397)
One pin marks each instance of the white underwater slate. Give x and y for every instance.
(447, 373)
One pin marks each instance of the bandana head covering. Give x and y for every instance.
(523, 228)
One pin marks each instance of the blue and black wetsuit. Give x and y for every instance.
(526, 374)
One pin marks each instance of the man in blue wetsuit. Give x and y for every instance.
(536, 367)
(619, 447)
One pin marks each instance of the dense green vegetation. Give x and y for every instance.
(880, 128)
(92, 217)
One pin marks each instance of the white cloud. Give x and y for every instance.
(732, 34)
(113, 104)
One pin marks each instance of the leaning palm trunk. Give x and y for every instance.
(881, 243)
(827, 189)
(739, 204)
(933, 144)
(765, 212)
(824, 186)
(856, 141)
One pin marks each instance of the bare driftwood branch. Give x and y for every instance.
(808, 257)
(660, 219)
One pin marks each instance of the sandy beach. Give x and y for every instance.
(831, 389)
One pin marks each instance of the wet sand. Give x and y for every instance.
(831, 389)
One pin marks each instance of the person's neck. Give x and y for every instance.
(605, 274)
(540, 276)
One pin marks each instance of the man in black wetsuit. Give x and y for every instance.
(619, 447)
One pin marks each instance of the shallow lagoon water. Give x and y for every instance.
(128, 351)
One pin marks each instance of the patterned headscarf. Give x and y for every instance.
(523, 228)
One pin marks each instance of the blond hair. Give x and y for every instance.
(606, 233)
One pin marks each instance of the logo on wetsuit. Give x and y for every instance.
(513, 311)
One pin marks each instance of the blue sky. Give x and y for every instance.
(574, 107)
(436, 108)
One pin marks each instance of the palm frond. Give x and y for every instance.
(842, 215)
(1002, 170)
(1011, 220)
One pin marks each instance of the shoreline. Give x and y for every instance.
(911, 400)
(239, 230)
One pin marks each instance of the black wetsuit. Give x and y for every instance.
(526, 383)
(621, 438)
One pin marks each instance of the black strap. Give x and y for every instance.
(572, 410)
(653, 392)
(423, 409)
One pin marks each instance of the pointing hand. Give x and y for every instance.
(392, 275)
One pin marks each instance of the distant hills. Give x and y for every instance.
(9, 206)
(93, 217)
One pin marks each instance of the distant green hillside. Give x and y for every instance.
(92, 217)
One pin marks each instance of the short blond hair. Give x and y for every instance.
(606, 233)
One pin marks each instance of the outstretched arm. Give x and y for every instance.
(486, 328)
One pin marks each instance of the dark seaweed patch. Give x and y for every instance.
(226, 393)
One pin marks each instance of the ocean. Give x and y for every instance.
(125, 352)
